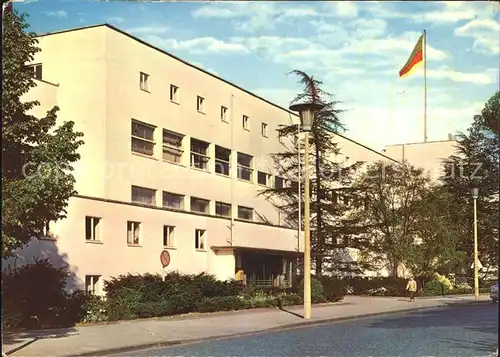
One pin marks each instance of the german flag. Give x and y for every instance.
(416, 58)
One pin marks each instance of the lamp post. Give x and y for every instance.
(306, 114)
(475, 194)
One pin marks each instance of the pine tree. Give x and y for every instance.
(476, 164)
(330, 180)
(36, 154)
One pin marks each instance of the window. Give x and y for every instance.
(294, 185)
(200, 104)
(264, 130)
(144, 81)
(200, 205)
(199, 239)
(142, 138)
(174, 93)
(279, 182)
(199, 154)
(133, 232)
(93, 284)
(222, 160)
(222, 209)
(263, 178)
(246, 124)
(143, 195)
(168, 236)
(92, 229)
(223, 114)
(173, 200)
(172, 146)
(37, 70)
(245, 213)
(245, 167)
(345, 200)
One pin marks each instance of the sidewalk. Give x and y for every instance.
(129, 335)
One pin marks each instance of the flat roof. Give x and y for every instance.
(204, 71)
(423, 142)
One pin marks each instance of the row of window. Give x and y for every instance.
(134, 237)
(147, 196)
(144, 84)
(143, 142)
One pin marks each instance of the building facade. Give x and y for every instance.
(174, 160)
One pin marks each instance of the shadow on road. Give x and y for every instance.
(482, 318)
(23, 339)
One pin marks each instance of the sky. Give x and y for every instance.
(355, 48)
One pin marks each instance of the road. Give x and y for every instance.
(459, 331)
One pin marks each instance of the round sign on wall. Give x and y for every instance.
(165, 258)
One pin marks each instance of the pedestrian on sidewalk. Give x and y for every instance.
(412, 288)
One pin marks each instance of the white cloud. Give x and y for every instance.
(201, 45)
(369, 28)
(395, 115)
(60, 14)
(200, 65)
(115, 20)
(344, 59)
(489, 76)
(256, 16)
(485, 32)
(345, 8)
(148, 30)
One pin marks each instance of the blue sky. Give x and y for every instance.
(355, 48)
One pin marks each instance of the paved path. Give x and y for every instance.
(456, 331)
(123, 336)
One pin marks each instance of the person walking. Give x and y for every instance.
(412, 288)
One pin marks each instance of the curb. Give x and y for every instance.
(110, 351)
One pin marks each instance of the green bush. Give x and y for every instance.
(334, 288)
(96, 309)
(221, 303)
(317, 291)
(140, 296)
(435, 288)
(34, 296)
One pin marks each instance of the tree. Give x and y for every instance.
(393, 194)
(36, 154)
(328, 226)
(476, 164)
(438, 242)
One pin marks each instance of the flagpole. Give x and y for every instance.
(299, 188)
(425, 86)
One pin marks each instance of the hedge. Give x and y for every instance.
(34, 295)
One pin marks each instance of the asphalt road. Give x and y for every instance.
(461, 331)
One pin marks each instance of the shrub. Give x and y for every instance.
(317, 291)
(434, 287)
(221, 303)
(334, 288)
(443, 280)
(35, 296)
(133, 296)
(96, 309)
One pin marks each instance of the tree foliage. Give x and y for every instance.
(476, 164)
(36, 153)
(438, 237)
(393, 193)
(327, 175)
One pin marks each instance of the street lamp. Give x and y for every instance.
(475, 194)
(306, 114)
